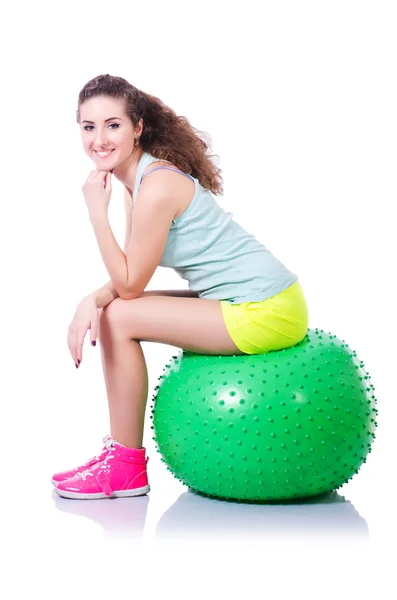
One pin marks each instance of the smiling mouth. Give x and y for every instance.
(106, 156)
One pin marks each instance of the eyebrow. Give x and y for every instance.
(106, 120)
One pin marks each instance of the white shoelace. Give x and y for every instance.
(105, 440)
(109, 443)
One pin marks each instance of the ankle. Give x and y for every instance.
(129, 446)
(128, 441)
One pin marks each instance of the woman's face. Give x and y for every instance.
(105, 127)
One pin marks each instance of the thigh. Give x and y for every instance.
(173, 293)
(193, 324)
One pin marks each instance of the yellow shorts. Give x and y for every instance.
(272, 324)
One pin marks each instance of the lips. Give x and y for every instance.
(109, 153)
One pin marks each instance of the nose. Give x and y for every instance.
(100, 141)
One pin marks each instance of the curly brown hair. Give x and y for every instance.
(165, 135)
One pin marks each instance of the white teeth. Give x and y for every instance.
(103, 154)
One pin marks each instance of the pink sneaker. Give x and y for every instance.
(58, 477)
(121, 473)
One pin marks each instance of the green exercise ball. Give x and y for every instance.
(282, 425)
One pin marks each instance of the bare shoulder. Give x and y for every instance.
(183, 187)
(158, 163)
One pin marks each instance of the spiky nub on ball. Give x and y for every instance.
(287, 424)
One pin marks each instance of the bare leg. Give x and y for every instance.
(126, 376)
(189, 323)
(126, 379)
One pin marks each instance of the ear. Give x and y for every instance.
(140, 127)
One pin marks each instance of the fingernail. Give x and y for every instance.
(93, 343)
(78, 360)
(77, 366)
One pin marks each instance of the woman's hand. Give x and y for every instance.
(85, 318)
(97, 191)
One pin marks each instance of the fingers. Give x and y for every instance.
(75, 343)
(94, 328)
(76, 336)
(76, 348)
(79, 348)
(72, 346)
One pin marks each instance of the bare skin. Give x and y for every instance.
(190, 323)
(193, 324)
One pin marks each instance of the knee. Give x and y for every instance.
(112, 312)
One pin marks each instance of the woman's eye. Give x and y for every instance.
(87, 126)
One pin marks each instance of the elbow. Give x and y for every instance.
(129, 293)
(133, 288)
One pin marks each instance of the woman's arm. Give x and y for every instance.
(106, 294)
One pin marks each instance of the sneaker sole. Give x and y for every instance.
(120, 494)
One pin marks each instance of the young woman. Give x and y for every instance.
(241, 299)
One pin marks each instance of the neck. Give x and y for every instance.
(126, 171)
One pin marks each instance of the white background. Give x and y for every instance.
(299, 99)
